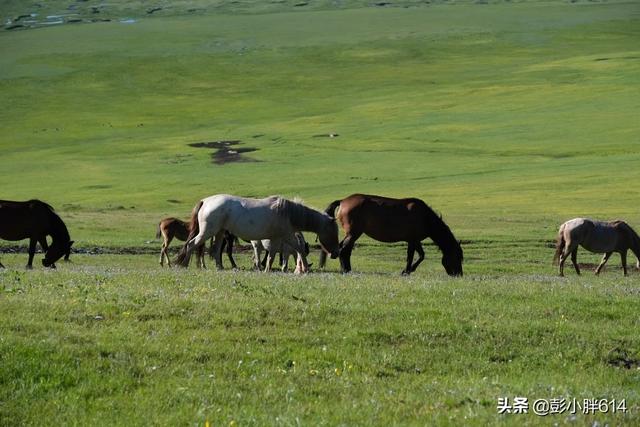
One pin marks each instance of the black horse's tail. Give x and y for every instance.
(331, 211)
(158, 232)
(194, 229)
(560, 243)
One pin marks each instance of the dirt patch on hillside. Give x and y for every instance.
(226, 151)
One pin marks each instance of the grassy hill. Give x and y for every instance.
(482, 110)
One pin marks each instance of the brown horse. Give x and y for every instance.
(170, 228)
(394, 220)
(598, 237)
(35, 220)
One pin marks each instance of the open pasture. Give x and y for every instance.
(509, 118)
(116, 338)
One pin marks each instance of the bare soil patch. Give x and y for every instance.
(226, 151)
(621, 358)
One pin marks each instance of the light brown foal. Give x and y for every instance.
(170, 228)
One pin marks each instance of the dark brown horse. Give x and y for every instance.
(394, 220)
(35, 220)
(170, 228)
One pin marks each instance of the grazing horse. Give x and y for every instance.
(170, 228)
(598, 237)
(256, 219)
(394, 220)
(35, 220)
(278, 246)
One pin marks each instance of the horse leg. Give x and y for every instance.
(605, 258)
(256, 254)
(420, 251)
(229, 240)
(32, 252)
(284, 259)
(43, 243)
(623, 258)
(346, 247)
(566, 251)
(200, 255)
(162, 256)
(411, 248)
(211, 253)
(166, 240)
(263, 263)
(574, 260)
(166, 249)
(218, 249)
(193, 244)
(269, 262)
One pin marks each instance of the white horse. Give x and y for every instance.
(272, 218)
(598, 237)
(278, 246)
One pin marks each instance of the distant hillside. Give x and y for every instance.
(21, 15)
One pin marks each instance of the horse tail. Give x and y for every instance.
(158, 232)
(331, 209)
(560, 244)
(194, 229)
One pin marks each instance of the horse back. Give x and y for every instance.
(594, 236)
(384, 218)
(175, 227)
(21, 220)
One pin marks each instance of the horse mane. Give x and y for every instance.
(441, 235)
(634, 237)
(43, 204)
(59, 229)
(302, 218)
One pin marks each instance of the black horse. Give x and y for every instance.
(35, 220)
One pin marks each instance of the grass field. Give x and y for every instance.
(508, 118)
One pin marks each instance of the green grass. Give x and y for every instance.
(116, 339)
(508, 118)
(482, 110)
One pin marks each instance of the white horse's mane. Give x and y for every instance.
(301, 216)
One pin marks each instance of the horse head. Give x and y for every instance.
(452, 261)
(56, 251)
(328, 235)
